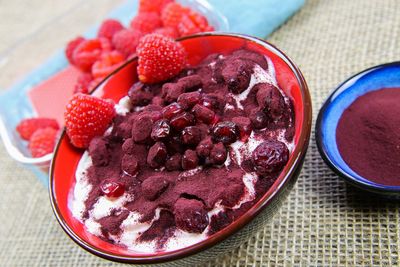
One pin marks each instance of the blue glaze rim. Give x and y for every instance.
(346, 93)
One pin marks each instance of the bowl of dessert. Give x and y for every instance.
(183, 168)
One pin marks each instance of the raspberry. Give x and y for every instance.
(146, 22)
(107, 64)
(172, 14)
(126, 41)
(153, 5)
(86, 117)
(168, 32)
(87, 53)
(27, 127)
(160, 58)
(71, 46)
(42, 141)
(108, 28)
(187, 27)
(83, 83)
(200, 21)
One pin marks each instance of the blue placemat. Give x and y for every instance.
(253, 17)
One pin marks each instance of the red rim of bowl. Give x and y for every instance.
(281, 182)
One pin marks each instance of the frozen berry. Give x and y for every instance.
(27, 127)
(226, 132)
(87, 116)
(244, 125)
(189, 160)
(146, 22)
(174, 162)
(153, 5)
(153, 187)
(83, 83)
(99, 152)
(258, 119)
(141, 128)
(253, 56)
(42, 141)
(191, 135)
(168, 32)
(188, 100)
(139, 96)
(107, 63)
(270, 156)
(204, 148)
(71, 46)
(112, 189)
(160, 130)
(190, 215)
(270, 100)
(203, 114)
(218, 154)
(172, 110)
(108, 28)
(86, 54)
(190, 83)
(157, 155)
(129, 164)
(182, 120)
(172, 14)
(160, 58)
(126, 41)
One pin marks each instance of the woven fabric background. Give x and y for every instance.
(323, 222)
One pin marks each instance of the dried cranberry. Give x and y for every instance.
(111, 188)
(191, 135)
(203, 113)
(204, 148)
(172, 110)
(174, 162)
(182, 120)
(189, 160)
(157, 155)
(226, 132)
(270, 156)
(161, 130)
(190, 215)
(258, 119)
(244, 125)
(218, 154)
(129, 164)
(188, 100)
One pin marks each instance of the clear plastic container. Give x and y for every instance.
(14, 103)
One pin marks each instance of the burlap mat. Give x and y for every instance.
(324, 222)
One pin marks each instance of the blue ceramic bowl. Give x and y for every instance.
(375, 78)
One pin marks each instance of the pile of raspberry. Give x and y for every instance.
(98, 57)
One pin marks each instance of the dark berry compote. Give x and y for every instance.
(185, 158)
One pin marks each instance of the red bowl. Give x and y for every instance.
(66, 157)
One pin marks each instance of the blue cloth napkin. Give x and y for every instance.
(256, 17)
(253, 17)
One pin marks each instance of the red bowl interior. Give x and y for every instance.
(66, 158)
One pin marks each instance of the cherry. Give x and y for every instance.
(218, 154)
(182, 120)
(161, 129)
(188, 100)
(211, 101)
(174, 162)
(111, 188)
(189, 160)
(258, 119)
(157, 155)
(191, 135)
(203, 113)
(204, 148)
(129, 164)
(270, 156)
(226, 132)
(171, 110)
